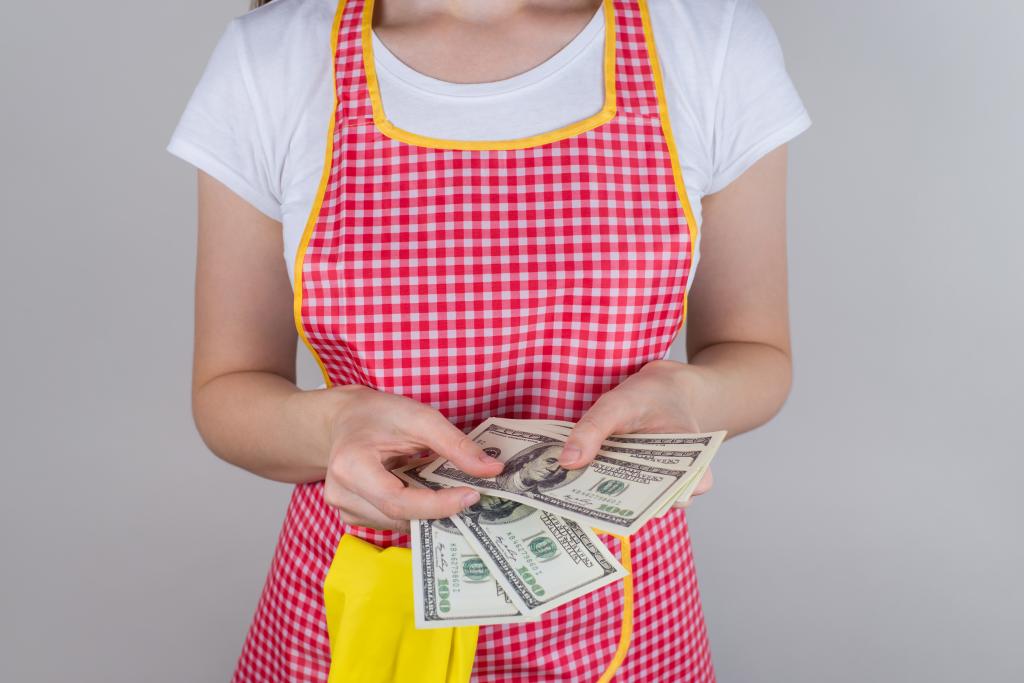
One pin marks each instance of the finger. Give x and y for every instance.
(355, 510)
(365, 476)
(684, 503)
(705, 483)
(360, 512)
(703, 486)
(607, 416)
(435, 431)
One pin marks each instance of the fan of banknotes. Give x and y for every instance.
(529, 544)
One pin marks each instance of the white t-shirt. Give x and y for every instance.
(257, 120)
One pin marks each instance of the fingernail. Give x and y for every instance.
(485, 459)
(470, 498)
(570, 454)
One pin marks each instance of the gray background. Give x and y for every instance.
(872, 532)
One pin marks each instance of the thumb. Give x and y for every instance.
(610, 414)
(596, 425)
(450, 442)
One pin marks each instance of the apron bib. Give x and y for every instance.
(518, 278)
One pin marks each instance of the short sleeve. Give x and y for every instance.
(220, 130)
(757, 107)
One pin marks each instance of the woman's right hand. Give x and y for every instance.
(373, 432)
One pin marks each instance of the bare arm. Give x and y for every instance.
(739, 370)
(250, 412)
(244, 399)
(738, 329)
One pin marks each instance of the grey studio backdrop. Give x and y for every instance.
(872, 532)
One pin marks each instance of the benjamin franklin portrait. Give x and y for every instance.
(494, 510)
(535, 469)
(445, 524)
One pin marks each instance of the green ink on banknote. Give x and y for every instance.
(611, 487)
(543, 547)
(475, 570)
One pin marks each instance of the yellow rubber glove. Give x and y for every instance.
(374, 639)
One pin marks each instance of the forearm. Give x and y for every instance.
(736, 386)
(263, 423)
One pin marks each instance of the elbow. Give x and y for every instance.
(202, 419)
(768, 383)
(210, 420)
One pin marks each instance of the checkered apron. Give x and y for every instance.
(517, 282)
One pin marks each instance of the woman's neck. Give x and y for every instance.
(478, 41)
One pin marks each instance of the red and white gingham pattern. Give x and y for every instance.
(518, 283)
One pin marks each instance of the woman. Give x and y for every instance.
(496, 223)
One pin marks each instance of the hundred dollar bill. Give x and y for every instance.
(693, 451)
(616, 492)
(542, 559)
(666, 449)
(451, 585)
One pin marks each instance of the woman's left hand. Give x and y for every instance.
(657, 399)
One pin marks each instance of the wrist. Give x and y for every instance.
(688, 383)
(335, 402)
(319, 409)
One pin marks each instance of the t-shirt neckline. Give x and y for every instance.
(386, 60)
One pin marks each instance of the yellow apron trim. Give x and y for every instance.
(368, 603)
(605, 114)
(666, 127)
(626, 633)
(314, 213)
